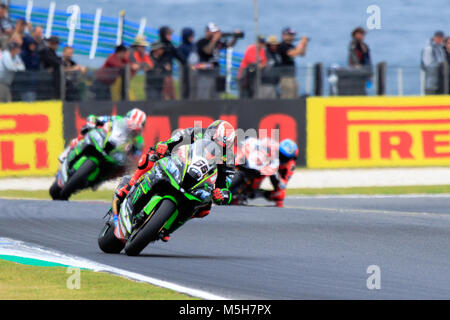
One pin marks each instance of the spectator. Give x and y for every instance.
(26, 84)
(155, 77)
(109, 72)
(208, 49)
(38, 35)
(359, 53)
(10, 63)
(139, 58)
(447, 55)
(433, 55)
(29, 55)
(6, 28)
(170, 52)
(271, 73)
(254, 56)
(72, 74)
(288, 52)
(19, 31)
(51, 62)
(188, 51)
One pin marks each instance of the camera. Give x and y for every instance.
(237, 35)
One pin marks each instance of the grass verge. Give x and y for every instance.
(26, 282)
(106, 195)
(372, 190)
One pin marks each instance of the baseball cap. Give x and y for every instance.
(288, 30)
(212, 27)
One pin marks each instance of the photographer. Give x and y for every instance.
(208, 48)
(288, 52)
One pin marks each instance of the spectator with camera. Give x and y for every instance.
(288, 52)
(209, 83)
(73, 73)
(270, 77)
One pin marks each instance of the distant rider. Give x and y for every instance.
(220, 132)
(135, 120)
(279, 175)
(288, 154)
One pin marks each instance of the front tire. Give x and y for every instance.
(151, 229)
(78, 180)
(55, 191)
(107, 241)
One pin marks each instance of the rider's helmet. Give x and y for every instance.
(288, 150)
(136, 119)
(222, 133)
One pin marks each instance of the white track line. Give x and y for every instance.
(20, 249)
(371, 196)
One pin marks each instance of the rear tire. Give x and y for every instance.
(55, 191)
(78, 180)
(107, 241)
(151, 229)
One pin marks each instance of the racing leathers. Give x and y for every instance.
(280, 181)
(225, 167)
(105, 122)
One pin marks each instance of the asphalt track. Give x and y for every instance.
(316, 248)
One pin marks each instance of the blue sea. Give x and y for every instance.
(406, 25)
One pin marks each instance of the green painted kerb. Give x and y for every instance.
(32, 262)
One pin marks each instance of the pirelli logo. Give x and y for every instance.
(30, 138)
(378, 131)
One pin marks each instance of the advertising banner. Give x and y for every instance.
(287, 116)
(378, 131)
(31, 138)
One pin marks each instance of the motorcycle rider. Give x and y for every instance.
(287, 155)
(135, 120)
(221, 132)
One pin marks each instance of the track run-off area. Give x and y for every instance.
(314, 248)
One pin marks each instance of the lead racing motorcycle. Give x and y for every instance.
(163, 198)
(100, 156)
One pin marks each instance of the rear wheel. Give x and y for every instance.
(78, 180)
(107, 241)
(150, 231)
(55, 191)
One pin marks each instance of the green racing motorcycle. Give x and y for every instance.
(98, 157)
(162, 199)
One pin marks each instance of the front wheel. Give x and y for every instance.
(151, 229)
(55, 191)
(78, 180)
(107, 241)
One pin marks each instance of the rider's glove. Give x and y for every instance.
(161, 149)
(122, 192)
(221, 196)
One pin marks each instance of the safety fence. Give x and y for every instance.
(334, 132)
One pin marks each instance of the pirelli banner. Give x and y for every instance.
(288, 116)
(31, 138)
(378, 131)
